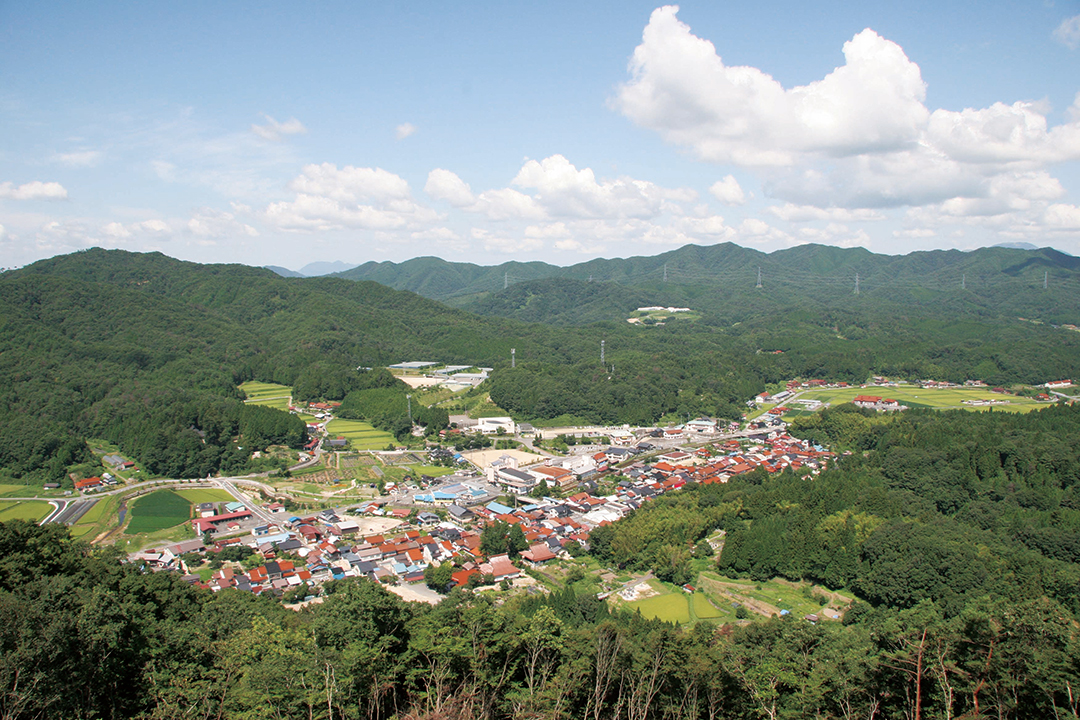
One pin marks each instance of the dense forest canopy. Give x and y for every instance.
(147, 352)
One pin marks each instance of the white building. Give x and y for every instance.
(491, 425)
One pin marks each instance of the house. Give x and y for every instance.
(459, 513)
(500, 568)
(677, 457)
(866, 401)
(88, 484)
(701, 425)
(538, 554)
(211, 524)
(553, 476)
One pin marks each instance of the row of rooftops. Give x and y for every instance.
(330, 548)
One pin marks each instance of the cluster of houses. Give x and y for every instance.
(874, 402)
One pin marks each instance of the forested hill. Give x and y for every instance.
(722, 280)
(146, 351)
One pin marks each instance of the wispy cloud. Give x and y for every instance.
(275, 131)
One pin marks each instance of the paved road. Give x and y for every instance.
(228, 484)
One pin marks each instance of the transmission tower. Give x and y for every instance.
(513, 358)
(665, 272)
(602, 351)
(856, 283)
(506, 280)
(963, 281)
(758, 286)
(1046, 276)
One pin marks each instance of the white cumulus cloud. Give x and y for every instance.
(728, 191)
(404, 130)
(682, 89)
(332, 198)
(445, 185)
(565, 191)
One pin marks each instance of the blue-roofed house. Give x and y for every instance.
(498, 508)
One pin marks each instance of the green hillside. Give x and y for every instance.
(147, 352)
(722, 279)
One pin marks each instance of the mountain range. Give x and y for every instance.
(734, 282)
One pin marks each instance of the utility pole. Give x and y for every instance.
(602, 352)
(856, 283)
(758, 286)
(513, 358)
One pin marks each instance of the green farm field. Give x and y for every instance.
(32, 510)
(361, 434)
(259, 392)
(945, 399)
(97, 519)
(704, 609)
(202, 495)
(157, 511)
(671, 607)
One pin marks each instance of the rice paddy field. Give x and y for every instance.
(672, 607)
(360, 434)
(916, 397)
(157, 511)
(268, 394)
(32, 510)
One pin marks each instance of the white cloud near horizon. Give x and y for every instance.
(34, 190)
(329, 198)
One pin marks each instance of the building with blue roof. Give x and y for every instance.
(499, 508)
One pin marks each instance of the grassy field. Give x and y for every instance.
(157, 511)
(32, 510)
(945, 399)
(260, 390)
(360, 434)
(202, 495)
(97, 519)
(20, 491)
(671, 607)
(770, 597)
(704, 609)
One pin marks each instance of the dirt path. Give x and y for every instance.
(835, 599)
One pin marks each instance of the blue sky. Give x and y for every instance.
(287, 133)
